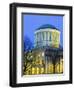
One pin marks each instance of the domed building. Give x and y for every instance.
(47, 35)
(47, 54)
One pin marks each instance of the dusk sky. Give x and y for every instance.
(32, 22)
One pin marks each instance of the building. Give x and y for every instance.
(47, 35)
(47, 55)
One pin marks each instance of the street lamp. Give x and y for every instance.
(42, 54)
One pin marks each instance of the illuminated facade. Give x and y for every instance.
(47, 55)
(47, 35)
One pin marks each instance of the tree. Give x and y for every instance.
(28, 45)
(28, 57)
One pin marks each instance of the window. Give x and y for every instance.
(43, 35)
(33, 70)
(37, 70)
(53, 36)
(42, 70)
(46, 36)
(50, 68)
(56, 37)
(50, 36)
(59, 66)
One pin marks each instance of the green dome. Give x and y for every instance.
(47, 26)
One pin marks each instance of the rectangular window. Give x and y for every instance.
(50, 35)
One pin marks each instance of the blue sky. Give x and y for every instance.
(32, 22)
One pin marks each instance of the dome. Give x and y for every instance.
(46, 26)
(47, 35)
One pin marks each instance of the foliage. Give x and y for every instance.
(28, 58)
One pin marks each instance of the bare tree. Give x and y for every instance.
(28, 45)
